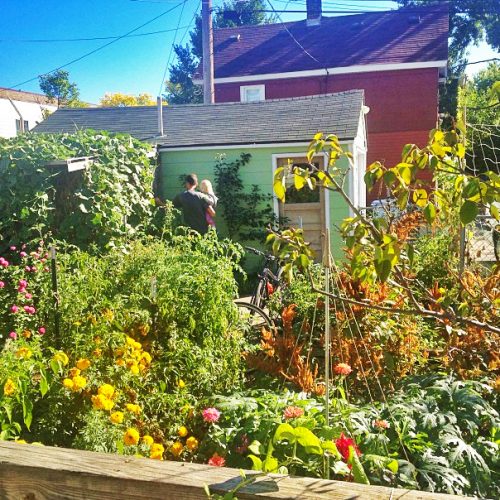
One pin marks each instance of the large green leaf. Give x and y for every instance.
(468, 211)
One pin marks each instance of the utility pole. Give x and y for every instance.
(208, 51)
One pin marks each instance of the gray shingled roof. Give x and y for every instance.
(266, 122)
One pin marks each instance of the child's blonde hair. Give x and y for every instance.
(206, 187)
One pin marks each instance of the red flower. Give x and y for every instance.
(342, 369)
(343, 443)
(216, 460)
(292, 412)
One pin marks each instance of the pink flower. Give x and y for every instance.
(41, 330)
(4, 263)
(13, 335)
(28, 296)
(13, 248)
(23, 283)
(211, 415)
(23, 246)
(342, 369)
(381, 424)
(27, 269)
(216, 460)
(292, 412)
(34, 269)
(2, 284)
(23, 254)
(32, 310)
(46, 269)
(343, 443)
(14, 309)
(21, 289)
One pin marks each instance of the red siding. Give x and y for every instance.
(403, 104)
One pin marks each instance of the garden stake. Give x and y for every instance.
(153, 300)
(327, 264)
(55, 295)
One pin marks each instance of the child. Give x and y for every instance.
(206, 187)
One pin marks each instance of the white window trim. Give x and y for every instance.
(260, 88)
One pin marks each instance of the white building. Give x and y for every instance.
(21, 111)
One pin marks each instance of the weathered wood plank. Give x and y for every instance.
(35, 473)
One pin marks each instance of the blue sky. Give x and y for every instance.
(130, 65)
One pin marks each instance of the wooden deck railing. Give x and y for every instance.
(32, 472)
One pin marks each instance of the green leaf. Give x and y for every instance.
(270, 464)
(393, 466)
(284, 431)
(420, 197)
(383, 269)
(357, 468)
(495, 213)
(255, 447)
(256, 462)
(279, 190)
(430, 213)
(329, 446)
(308, 440)
(468, 212)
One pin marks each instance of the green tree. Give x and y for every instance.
(180, 88)
(118, 99)
(57, 87)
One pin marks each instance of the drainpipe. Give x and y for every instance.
(21, 127)
(159, 104)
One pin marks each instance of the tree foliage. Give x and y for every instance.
(117, 99)
(57, 87)
(180, 88)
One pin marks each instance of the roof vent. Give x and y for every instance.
(314, 10)
(414, 19)
(235, 38)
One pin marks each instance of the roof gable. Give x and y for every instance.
(394, 37)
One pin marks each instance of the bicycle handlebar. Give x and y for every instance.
(267, 256)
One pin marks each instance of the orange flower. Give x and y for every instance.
(342, 369)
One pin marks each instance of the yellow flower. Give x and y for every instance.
(156, 451)
(68, 383)
(97, 353)
(9, 388)
(83, 364)
(134, 369)
(119, 352)
(183, 432)
(20, 441)
(108, 315)
(120, 362)
(73, 372)
(24, 352)
(61, 357)
(27, 334)
(192, 443)
(79, 382)
(116, 417)
(131, 437)
(108, 404)
(137, 345)
(130, 341)
(181, 384)
(176, 448)
(133, 408)
(147, 440)
(106, 390)
(101, 402)
(146, 357)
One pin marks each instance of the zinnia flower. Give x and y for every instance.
(216, 460)
(147, 440)
(211, 415)
(183, 432)
(13, 335)
(292, 412)
(9, 388)
(343, 443)
(14, 309)
(381, 424)
(176, 448)
(156, 451)
(83, 363)
(2, 284)
(131, 437)
(41, 330)
(116, 417)
(191, 443)
(342, 369)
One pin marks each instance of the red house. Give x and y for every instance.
(398, 57)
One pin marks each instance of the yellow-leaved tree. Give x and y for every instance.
(118, 99)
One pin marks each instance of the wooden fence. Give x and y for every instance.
(31, 472)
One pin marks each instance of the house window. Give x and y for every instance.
(252, 93)
(18, 126)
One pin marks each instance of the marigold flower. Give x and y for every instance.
(83, 363)
(131, 437)
(217, 461)
(61, 357)
(176, 448)
(79, 382)
(191, 443)
(292, 412)
(147, 440)
(24, 352)
(181, 384)
(97, 353)
(211, 415)
(73, 372)
(133, 408)
(342, 369)
(9, 388)
(134, 369)
(108, 404)
(106, 390)
(183, 432)
(101, 402)
(68, 383)
(156, 451)
(120, 362)
(116, 417)
(343, 443)
(381, 424)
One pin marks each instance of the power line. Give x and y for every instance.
(101, 47)
(483, 61)
(54, 40)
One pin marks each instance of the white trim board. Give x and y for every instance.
(360, 68)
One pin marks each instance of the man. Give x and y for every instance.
(194, 205)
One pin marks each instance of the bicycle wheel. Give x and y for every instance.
(259, 297)
(253, 320)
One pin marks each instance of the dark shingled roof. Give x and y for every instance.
(281, 120)
(399, 36)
